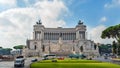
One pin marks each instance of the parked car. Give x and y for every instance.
(105, 57)
(49, 56)
(34, 60)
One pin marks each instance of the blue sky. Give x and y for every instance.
(17, 17)
(91, 11)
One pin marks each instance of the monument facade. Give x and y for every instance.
(60, 41)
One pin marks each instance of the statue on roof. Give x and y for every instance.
(80, 22)
(39, 22)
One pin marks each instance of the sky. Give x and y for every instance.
(17, 17)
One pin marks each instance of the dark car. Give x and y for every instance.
(105, 57)
(34, 60)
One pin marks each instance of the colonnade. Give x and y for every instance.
(55, 36)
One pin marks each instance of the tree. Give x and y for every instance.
(105, 48)
(6, 51)
(114, 48)
(18, 47)
(118, 49)
(112, 32)
(0, 47)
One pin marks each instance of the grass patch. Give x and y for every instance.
(70, 61)
(73, 64)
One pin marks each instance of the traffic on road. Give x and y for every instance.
(10, 64)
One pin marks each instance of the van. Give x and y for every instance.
(19, 62)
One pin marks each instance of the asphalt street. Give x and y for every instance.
(10, 64)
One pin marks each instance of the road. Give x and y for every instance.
(10, 64)
(107, 60)
(103, 59)
(6, 64)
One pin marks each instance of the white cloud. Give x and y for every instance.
(103, 19)
(16, 24)
(55, 7)
(7, 3)
(114, 3)
(95, 34)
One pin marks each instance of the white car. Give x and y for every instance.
(19, 63)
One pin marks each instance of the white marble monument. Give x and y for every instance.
(60, 41)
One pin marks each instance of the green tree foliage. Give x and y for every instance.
(112, 32)
(18, 47)
(8, 49)
(5, 51)
(105, 48)
(119, 49)
(0, 47)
